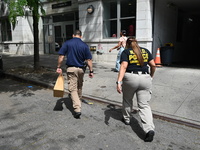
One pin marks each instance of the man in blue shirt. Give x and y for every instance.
(77, 53)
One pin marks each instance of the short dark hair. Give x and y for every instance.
(123, 32)
(78, 32)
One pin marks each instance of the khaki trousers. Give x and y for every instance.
(139, 84)
(75, 83)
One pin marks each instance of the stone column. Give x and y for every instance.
(144, 20)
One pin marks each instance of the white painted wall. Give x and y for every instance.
(91, 24)
(92, 27)
(22, 37)
(144, 20)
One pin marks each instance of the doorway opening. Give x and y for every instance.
(57, 29)
(188, 39)
(62, 32)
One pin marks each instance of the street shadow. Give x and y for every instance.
(116, 113)
(135, 125)
(114, 70)
(112, 112)
(64, 101)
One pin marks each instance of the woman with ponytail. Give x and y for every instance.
(135, 77)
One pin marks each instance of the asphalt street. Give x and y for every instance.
(32, 119)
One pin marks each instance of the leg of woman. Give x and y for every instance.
(129, 86)
(143, 96)
(117, 67)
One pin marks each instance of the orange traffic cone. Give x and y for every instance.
(157, 59)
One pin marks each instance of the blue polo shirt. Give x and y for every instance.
(76, 52)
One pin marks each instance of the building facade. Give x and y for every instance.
(152, 22)
(101, 27)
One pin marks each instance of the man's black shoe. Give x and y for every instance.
(126, 121)
(149, 136)
(77, 115)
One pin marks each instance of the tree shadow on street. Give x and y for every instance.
(116, 113)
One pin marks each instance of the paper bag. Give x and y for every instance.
(58, 90)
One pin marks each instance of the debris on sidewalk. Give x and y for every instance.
(89, 103)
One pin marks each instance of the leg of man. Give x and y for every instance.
(72, 77)
(80, 82)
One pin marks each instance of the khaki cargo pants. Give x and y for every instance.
(75, 83)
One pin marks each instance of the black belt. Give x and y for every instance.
(138, 72)
(75, 66)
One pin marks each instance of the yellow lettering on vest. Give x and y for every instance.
(131, 57)
(134, 62)
(131, 52)
(143, 51)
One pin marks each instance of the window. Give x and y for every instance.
(6, 31)
(119, 15)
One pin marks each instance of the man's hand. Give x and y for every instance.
(91, 75)
(59, 70)
(60, 60)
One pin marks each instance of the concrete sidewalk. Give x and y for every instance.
(175, 90)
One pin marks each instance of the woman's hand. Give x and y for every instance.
(119, 88)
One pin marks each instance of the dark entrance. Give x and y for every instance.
(189, 35)
(62, 33)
